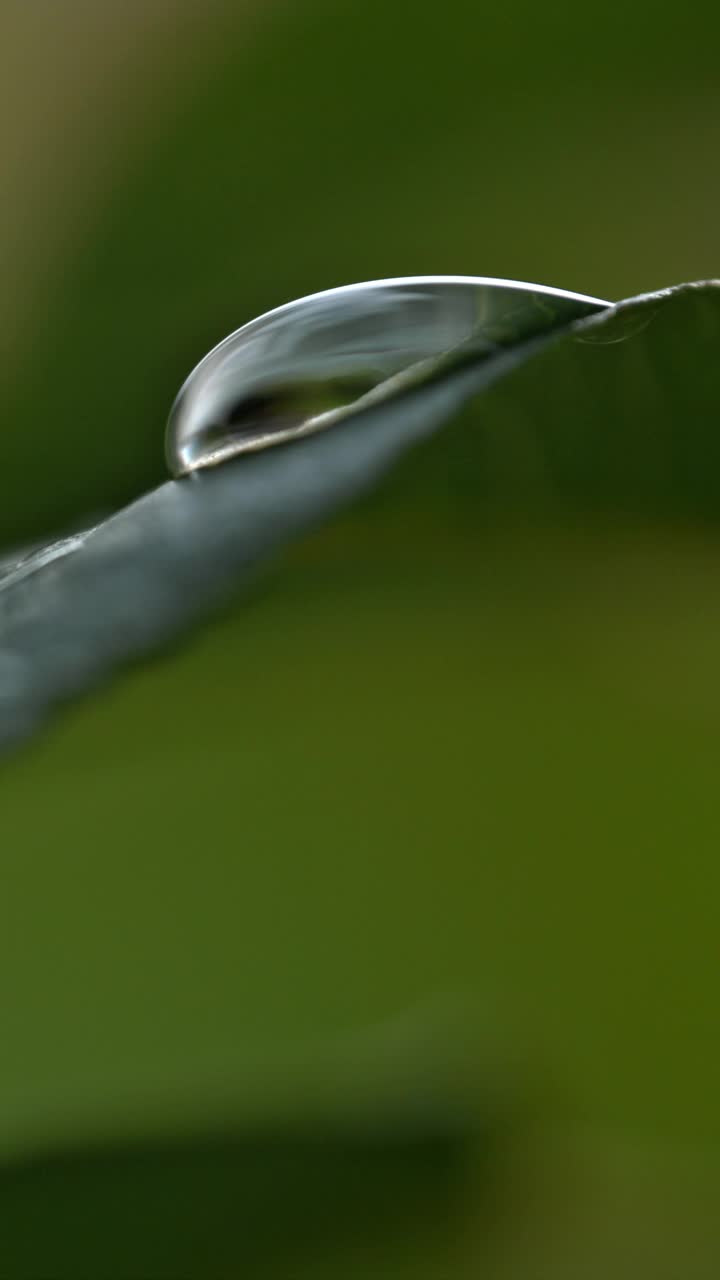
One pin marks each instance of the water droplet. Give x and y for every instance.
(288, 372)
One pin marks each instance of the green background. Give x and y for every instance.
(432, 812)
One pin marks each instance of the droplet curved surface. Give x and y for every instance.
(305, 365)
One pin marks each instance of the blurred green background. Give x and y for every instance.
(460, 748)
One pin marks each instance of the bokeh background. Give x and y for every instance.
(433, 813)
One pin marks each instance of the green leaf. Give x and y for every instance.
(74, 609)
(71, 612)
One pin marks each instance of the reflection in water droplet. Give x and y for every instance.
(297, 369)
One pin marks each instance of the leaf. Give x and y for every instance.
(71, 611)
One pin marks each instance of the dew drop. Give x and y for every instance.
(288, 372)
